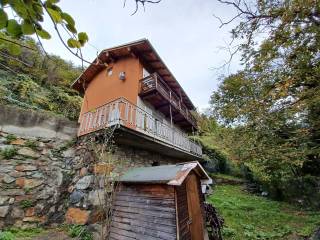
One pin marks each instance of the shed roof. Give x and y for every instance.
(166, 174)
(146, 53)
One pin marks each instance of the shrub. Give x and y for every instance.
(26, 233)
(6, 236)
(80, 232)
(26, 204)
(10, 138)
(9, 152)
(301, 190)
(31, 144)
(217, 160)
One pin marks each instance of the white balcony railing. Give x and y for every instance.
(124, 113)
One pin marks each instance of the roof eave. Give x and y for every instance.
(77, 83)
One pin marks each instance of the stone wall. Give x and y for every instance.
(45, 181)
(30, 123)
(51, 179)
(34, 178)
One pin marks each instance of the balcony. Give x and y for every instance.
(124, 114)
(154, 90)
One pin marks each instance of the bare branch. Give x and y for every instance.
(232, 53)
(35, 30)
(8, 68)
(60, 37)
(19, 44)
(227, 22)
(142, 2)
(16, 59)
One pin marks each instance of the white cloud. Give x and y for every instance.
(184, 33)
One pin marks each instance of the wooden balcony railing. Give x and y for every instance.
(122, 112)
(155, 82)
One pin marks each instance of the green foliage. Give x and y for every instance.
(8, 152)
(27, 28)
(27, 233)
(44, 85)
(215, 147)
(80, 232)
(26, 204)
(67, 144)
(6, 236)
(273, 104)
(31, 144)
(217, 160)
(73, 43)
(14, 28)
(252, 217)
(27, 18)
(83, 38)
(301, 191)
(3, 18)
(10, 138)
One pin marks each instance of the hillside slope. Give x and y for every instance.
(32, 79)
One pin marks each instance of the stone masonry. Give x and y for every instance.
(48, 179)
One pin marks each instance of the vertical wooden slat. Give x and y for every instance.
(123, 112)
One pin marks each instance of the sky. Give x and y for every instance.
(185, 34)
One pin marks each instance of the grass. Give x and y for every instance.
(17, 233)
(26, 204)
(31, 144)
(8, 152)
(10, 138)
(252, 217)
(74, 231)
(79, 232)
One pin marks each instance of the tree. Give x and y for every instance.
(27, 19)
(20, 18)
(275, 99)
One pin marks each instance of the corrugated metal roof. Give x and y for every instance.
(166, 174)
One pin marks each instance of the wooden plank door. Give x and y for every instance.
(194, 208)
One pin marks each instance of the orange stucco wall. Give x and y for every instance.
(103, 88)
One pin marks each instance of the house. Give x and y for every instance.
(129, 89)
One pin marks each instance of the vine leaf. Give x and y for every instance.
(83, 38)
(3, 19)
(43, 34)
(72, 43)
(14, 49)
(71, 28)
(65, 16)
(27, 28)
(55, 15)
(13, 28)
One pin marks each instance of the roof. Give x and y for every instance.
(166, 174)
(146, 53)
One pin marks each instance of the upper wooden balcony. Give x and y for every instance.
(154, 90)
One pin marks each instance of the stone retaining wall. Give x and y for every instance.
(45, 181)
(30, 123)
(34, 178)
(51, 179)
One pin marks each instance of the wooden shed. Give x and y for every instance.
(160, 203)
